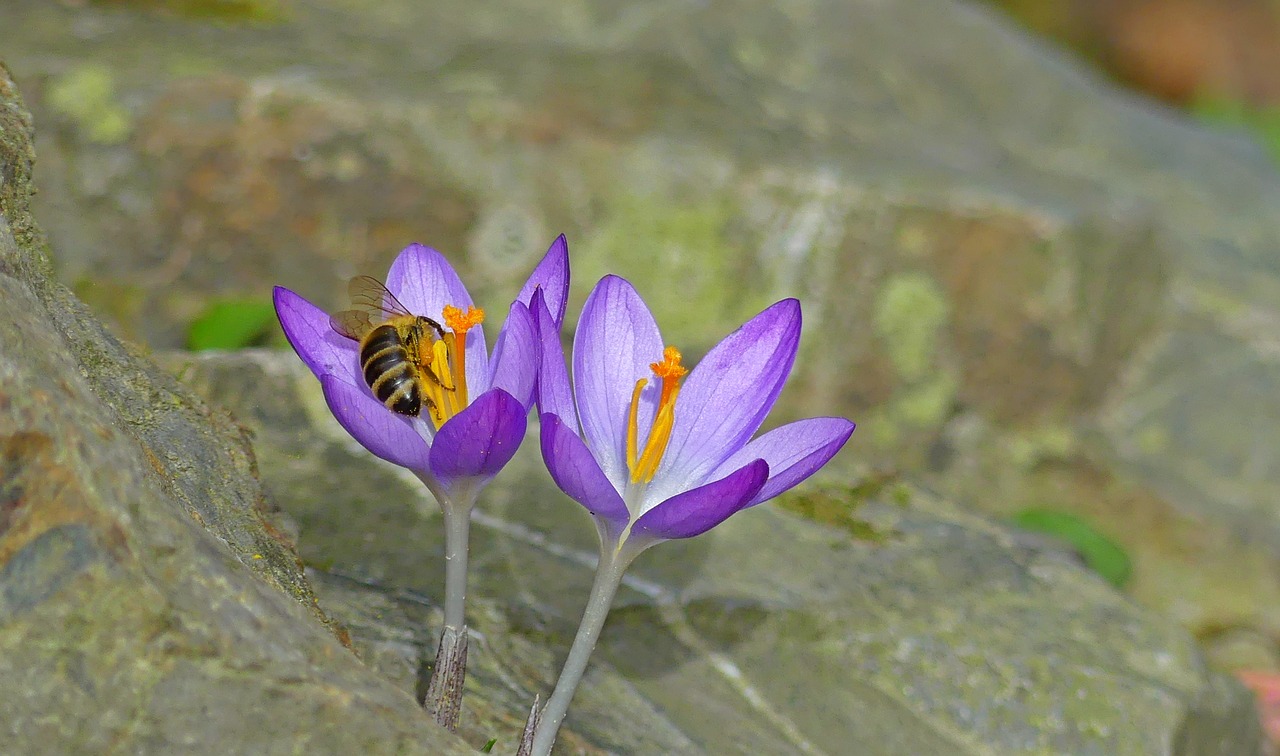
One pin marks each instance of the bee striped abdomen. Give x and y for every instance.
(390, 373)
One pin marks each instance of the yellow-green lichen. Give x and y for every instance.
(250, 11)
(912, 240)
(882, 428)
(909, 312)
(678, 257)
(1215, 303)
(1039, 444)
(927, 404)
(86, 94)
(1152, 439)
(837, 505)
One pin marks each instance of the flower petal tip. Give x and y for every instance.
(551, 274)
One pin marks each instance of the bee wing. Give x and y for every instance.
(371, 295)
(353, 324)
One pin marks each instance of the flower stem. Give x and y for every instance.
(443, 698)
(608, 576)
(457, 527)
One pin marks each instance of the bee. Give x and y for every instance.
(395, 345)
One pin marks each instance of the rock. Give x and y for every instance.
(931, 631)
(147, 602)
(1030, 289)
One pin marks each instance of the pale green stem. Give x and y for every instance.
(613, 563)
(456, 509)
(444, 691)
(457, 526)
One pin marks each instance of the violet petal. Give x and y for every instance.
(378, 429)
(728, 394)
(616, 341)
(553, 390)
(794, 452)
(577, 473)
(325, 351)
(516, 355)
(695, 512)
(551, 274)
(478, 441)
(424, 282)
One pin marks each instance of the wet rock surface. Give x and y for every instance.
(147, 602)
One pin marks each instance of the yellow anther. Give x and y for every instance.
(450, 355)
(632, 430)
(644, 464)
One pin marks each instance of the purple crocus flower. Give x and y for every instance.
(471, 414)
(652, 459)
(472, 435)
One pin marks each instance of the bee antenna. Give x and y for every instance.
(434, 325)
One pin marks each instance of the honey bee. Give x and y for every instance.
(395, 345)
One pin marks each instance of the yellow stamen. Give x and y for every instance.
(449, 390)
(459, 323)
(645, 465)
(632, 424)
(448, 362)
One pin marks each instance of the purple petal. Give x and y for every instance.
(616, 340)
(324, 351)
(695, 512)
(377, 428)
(794, 452)
(727, 396)
(478, 441)
(554, 394)
(577, 473)
(516, 355)
(552, 276)
(424, 282)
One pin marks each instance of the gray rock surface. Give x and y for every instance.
(930, 631)
(147, 603)
(1030, 289)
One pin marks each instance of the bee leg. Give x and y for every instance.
(431, 373)
(434, 410)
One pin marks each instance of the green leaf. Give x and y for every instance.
(231, 324)
(488, 747)
(1100, 553)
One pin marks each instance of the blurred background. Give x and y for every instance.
(1037, 240)
(1196, 54)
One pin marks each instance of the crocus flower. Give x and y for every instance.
(475, 428)
(655, 451)
(473, 411)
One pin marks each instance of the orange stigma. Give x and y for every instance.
(460, 322)
(449, 362)
(644, 464)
